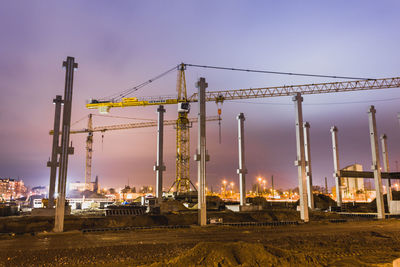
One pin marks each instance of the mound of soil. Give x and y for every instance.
(171, 206)
(372, 204)
(257, 201)
(323, 202)
(396, 195)
(235, 254)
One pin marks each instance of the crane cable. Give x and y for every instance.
(277, 72)
(118, 96)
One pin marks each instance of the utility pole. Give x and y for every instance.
(53, 163)
(201, 154)
(336, 165)
(160, 167)
(307, 151)
(65, 149)
(242, 171)
(385, 158)
(300, 162)
(376, 165)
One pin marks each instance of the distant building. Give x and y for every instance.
(39, 190)
(350, 187)
(81, 187)
(78, 186)
(146, 189)
(11, 189)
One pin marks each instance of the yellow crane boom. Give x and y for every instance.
(263, 92)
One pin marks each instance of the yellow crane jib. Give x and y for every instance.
(105, 106)
(285, 90)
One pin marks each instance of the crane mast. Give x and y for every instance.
(89, 150)
(182, 178)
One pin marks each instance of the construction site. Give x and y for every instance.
(192, 220)
(238, 161)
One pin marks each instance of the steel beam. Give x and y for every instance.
(301, 162)
(53, 163)
(160, 167)
(65, 149)
(364, 174)
(242, 171)
(201, 154)
(307, 151)
(376, 165)
(336, 165)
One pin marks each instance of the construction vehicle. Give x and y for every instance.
(183, 101)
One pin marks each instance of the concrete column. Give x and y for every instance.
(53, 163)
(65, 149)
(242, 171)
(336, 165)
(307, 151)
(160, 167)
(300, 162)
(385, 158)
(201, 154)
(376, 165)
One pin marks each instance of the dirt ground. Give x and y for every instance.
(361, 243)
(29, 224)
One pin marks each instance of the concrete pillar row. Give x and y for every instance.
(201, 154)
(159, 167)
(385, 158)
(242, 171)
(336, 165)
(307, 151)
(300, 161)
(376, 164)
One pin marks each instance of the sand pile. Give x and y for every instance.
(235, 254)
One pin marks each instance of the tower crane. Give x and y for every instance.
(90, 130)
(183, 101)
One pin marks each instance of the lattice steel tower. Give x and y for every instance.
(182, 180)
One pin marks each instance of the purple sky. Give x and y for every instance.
(121, 45)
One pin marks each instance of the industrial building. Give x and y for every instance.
(11, 189)
(351, 187)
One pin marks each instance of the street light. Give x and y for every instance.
(232, 184)
(224, 182)
(264, 182)
(259, 185)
